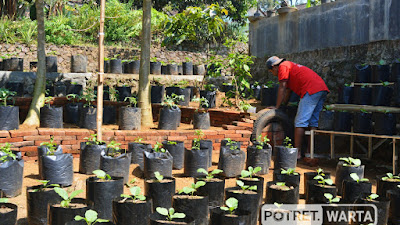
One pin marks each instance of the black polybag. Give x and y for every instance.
(89, 158)
(137, 149)
(232, 162)
(51, 117)
(169, 118)
(11, 175)
(9, 117)
(194, 160)
(58, 169)
(118, 166)
(285, 158)
(157, 161)
(43, 150)
(178, 153)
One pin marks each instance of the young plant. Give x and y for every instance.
(287, 142)
(90, 218)
(47, 101)
(132, 101)
(372, 197)
(158, 147)
(8, 153)
(263, 140)
(196, 141)
(193, 188)
(231, 205)
(250, 172)
(203, 102)
(3, 200)
(45, 184)
(73, 97)
(323, 181)
(138, 140)
(171, 101)
(158, 176)
(170, 214)
(172, 142)
(209, 175)
(330, 198)
(244, 106)
(289, 171)
(92, 140)
(135, 194)
(51, 146)
(64, 195)
(113, 149)
(209, 87)
(355, 177)
(6, 94)
(102, 175)
(320, 171)
(391, 177)
(89, 97)
(246, 187)
(351, 161)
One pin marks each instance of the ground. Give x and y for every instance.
(31, 176)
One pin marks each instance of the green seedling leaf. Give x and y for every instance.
(101, 175)
(158, 176)
(61, 192)
(162, 211)
(3, 200)
(373, 196)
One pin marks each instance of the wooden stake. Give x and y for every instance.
(100, 77)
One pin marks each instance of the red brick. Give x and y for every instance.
(177, 138)
(233, 136)
(21, 133)
(212, 137)
(11, 140)
(131, 138)
(50, 131)
(246, 135)
(119, 138)
(76, 147)
(28, 158)
(64, 138)
(77, 132)
(23, 143)
(159, 138)
(37, 143)
(108, 138)
(4, 133)
(66, 147)
(37, 138)
(226, 132)
(231, 127)
(242, 139)
(243, 132)
(108, 133)
(216, 146)
(28, 149)
(191, 137)
(210, 132)
(126, 133)
(80, 138)
(242, 124)
(69, 142)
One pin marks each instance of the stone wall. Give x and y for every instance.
(330, 39)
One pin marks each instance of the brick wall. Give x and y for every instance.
(27, 141)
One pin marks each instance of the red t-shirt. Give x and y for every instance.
(301, 79)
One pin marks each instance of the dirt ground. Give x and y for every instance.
(31, 176)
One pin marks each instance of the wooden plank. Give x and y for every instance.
(332, 146)
(395, 158)
(368, 108)
(351, 145)
(370, 84)
(312, 144)
(357, 134)
(369, 147)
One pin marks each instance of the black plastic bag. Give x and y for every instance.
(11, 175)
(72, 113)
(353, 190)
(9, 117)
(285, 158)
(59, 215)
(88, 118)
(169, 118)
(137, 149)
(214, 189)
(158, 219)
(116, 166)
(9, 218)
(37, 204)
(201, 120)
(207, 145)
(58, 169)
(178, 153)
(129, 118)
(290, 196)
(259, 158)
(109, 114)
(196, 207)
(232, 162)
(221, 217)
(131, 213)
(43, 150)
(248, 201)
(157, 161)
(102, 193)
(343, 173)
(210, 96)
(89, 158)
(160, 192)
(194, 160)
(157, 94)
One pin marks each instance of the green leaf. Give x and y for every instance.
(102, 221)
(373, 196)
(179, 216)
(75, 193)
(199, 184)
(239, 183)
(329, 181)
(257, 169)
(224, 208)
(78, 218)
(171, 211)
(245, 173)
(246, 67)
(141, 197)
(335, 200)
(91, 215)
(318, 177)
(355, 177)
(357, 162)
(216, 171)
(232, 203)
(100, 173)
(61, 192)
(253, 188)
(3, 200)
(329, 196)
(135, 191)
(201, 170)
(162, 211)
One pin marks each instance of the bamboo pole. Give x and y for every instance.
(100, 77)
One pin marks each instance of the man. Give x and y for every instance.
(305, 83)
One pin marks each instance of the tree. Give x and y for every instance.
(144, 82)
(33, 118)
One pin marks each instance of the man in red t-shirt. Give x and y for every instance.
(305, 83)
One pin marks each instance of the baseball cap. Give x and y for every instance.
(273, 61)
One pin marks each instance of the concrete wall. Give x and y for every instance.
(330, 39)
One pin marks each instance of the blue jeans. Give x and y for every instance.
(309, 108)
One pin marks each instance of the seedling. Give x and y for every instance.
(203, 102)
(6, 149)
(172, 142)
(289, 171)
(135, 194)
(3, 200)
(172, 100)
(278, 205)
(90, 218)
(320, 171)
(113, 149)
(391, 177)
(263, 140)
(73, 97)
(385, 83)
(327, 108)
(45, 184)
(246, 187)
(132, 101)
(244, 106)
(347, 85)
(64, 195)
(351, 161)
(355, 177)
(102, 175)
(209, 175)
(323, 181)
(170, 214)
(193, 188)
(287, 142)
(232, 144)
(47, 101)
(158, 176)
(89, 97)
(92, 140)
(6, 94)
(51, 146)
(138, 140)
(372, 197)
(231, 205)
(196, 141)
(330, 198)
(250, 172)
(158, 147)
(131, 182)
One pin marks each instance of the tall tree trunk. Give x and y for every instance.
(144, 82)
(33, 118)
